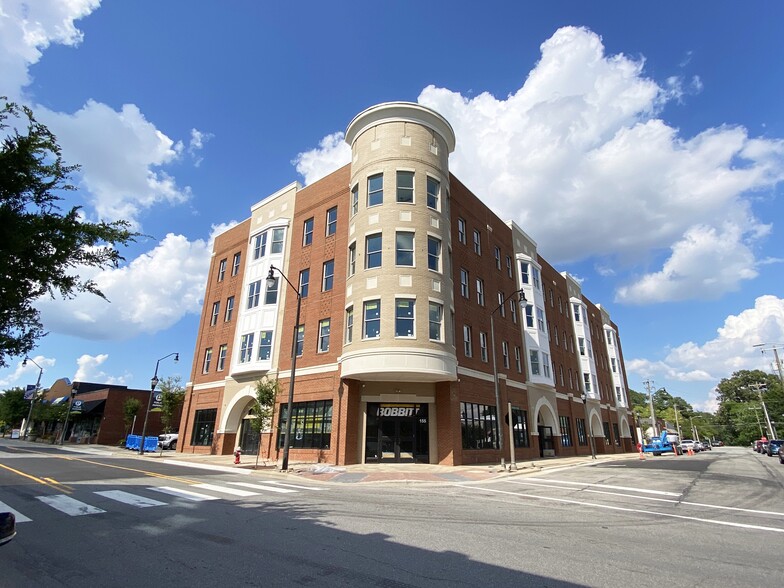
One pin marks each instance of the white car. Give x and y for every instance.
(687, 444)
(168, 441)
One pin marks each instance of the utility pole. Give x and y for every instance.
(759, 387)
(677, 424)
(759, 424)
(776, 361)
(649, 387)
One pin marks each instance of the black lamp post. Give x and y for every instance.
(287, 439)
(35, 394)
(153, 383)
(523, 303)
(589, 430)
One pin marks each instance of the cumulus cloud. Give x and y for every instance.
(89, 370)
(584, 131)
(196, 144)
(28, 28)
(332, 153)
(731, 350)
(148, 295)
(121, 156)
(22, 375)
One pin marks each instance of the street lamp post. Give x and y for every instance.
(67, 414)
(589, 431)
(153, 383)
(523, 302)
(35, 394)
(287, 439)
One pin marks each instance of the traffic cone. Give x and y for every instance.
(691, 451)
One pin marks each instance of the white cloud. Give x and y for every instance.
(731, 350)
(148, 295)
(28, 28)
(89, 371)
(28, 374)
(121, 156)
(583, 131)
(196, 144)
(332, 153)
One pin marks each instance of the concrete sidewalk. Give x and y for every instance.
(351, 474)
(379, 473)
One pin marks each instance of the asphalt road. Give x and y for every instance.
(713, 519)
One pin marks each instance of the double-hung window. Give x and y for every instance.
(349, 324)
(461, 231)
(215, 313)
(271, 296)
(352, 259)
(307, 232)
(518, 360)
(328, 275)
(534, 356)
(433, 192)
(434, 254)
(354, 200)
(332, 221)
(529, 316)
(505, 353)
(304, 282)
(524, 272)
(373, 251)
(207, 360)
(405, 187)
(221, 270)
(404, 317)
(464, 283)
(404, 249)
(467, 347)
(277, 241)
(436, 319)
(371, 328)
(477, 242)
(483, 346)
(300, 345)
(480, 292)
(254, 292)
(323, 342)
(235, 266)
(540, 319)
(375, 190)
(265, 345)
(246, 348)
(497, 258)
(260, 245)
(222, 350)
(229, 308)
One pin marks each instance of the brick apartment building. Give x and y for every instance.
(431, 330)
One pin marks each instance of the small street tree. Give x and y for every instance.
(172, 397)
(13, 408)
(264, 409)
(131, 408)
(42, 246)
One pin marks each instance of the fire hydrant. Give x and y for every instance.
(237, 453)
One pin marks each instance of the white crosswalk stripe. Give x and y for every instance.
(263, 487)
(132, 499)
(69, 506)
(20, 518)
(181, 493)
(223, 489)
(287, 485)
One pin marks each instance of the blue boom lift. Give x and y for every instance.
(661, 445)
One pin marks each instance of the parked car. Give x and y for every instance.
(7, 527)
(773, 447)
(764, 447)
(168, 441)
(687, 444)
(706, 446)
(758, 445)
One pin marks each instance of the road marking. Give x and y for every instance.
(128, 498)
(624, 509)
(207, 466)
(195, 496)
(144, 472)
(263, 487)
(313, 488)
(635, 496)
(69, 506)
(233, 491)
(736, 508)
(20, 518)
(44, 481)
(659, 492)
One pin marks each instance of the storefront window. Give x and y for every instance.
(204, 426)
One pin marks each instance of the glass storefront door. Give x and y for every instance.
(396, 433)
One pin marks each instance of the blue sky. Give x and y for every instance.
(641, 144)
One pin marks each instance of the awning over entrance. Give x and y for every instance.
(90, 407)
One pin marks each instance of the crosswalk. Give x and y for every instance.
(83, 505)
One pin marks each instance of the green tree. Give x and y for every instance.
(131, 408)
(42, 246)
(740, 419)
(264, 408)
(172, 397)
(13, 407)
